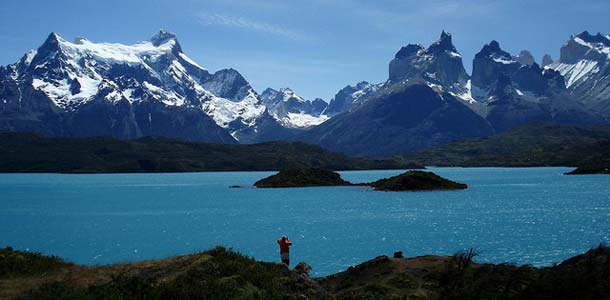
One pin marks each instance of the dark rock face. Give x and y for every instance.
(227, 83)
(491, 62)
(302, 178)
(318, 106)
(546, 60)
(534, 79)
(401, 119)
(26, 109)
(546, 101)
(584, 46)
(416, 181)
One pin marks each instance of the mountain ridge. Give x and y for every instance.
(151, 88)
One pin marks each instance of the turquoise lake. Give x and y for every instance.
(517, 215)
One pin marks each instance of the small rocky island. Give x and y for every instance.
(590, 170)
(408, 181)
(416, 181)
(302, 178)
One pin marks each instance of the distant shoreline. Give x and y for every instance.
(32, 153)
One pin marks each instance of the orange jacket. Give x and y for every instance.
(284, 245)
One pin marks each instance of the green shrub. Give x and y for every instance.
(19, 263)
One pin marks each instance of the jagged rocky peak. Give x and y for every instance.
(81, 51)
(53, 39)
(444, 43)
(289, 94)
(362, 85)
(493, 51)
(584, 62)
(525, 74)
(599, 38)
(547, 60)
(271, 97)
(525, 58)
(162, 37)
(50, 46)
(229, 84)
(585, 46)
(408, 50)
(439, 64)
(489, 63)
(268, 96)
(350, 97)
(292, 110)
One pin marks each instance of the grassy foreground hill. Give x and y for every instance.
(24, 152)
(528, 146)
(224, 274)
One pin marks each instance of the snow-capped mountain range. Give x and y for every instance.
(82, 88)
(74, 76)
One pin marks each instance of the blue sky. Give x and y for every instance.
(316, 46)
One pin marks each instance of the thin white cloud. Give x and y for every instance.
(248, 24)
(405, 13)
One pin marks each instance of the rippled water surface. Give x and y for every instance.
(526, 216)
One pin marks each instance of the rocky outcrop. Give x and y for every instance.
(302, 178)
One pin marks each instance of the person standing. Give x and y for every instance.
(285, 244)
